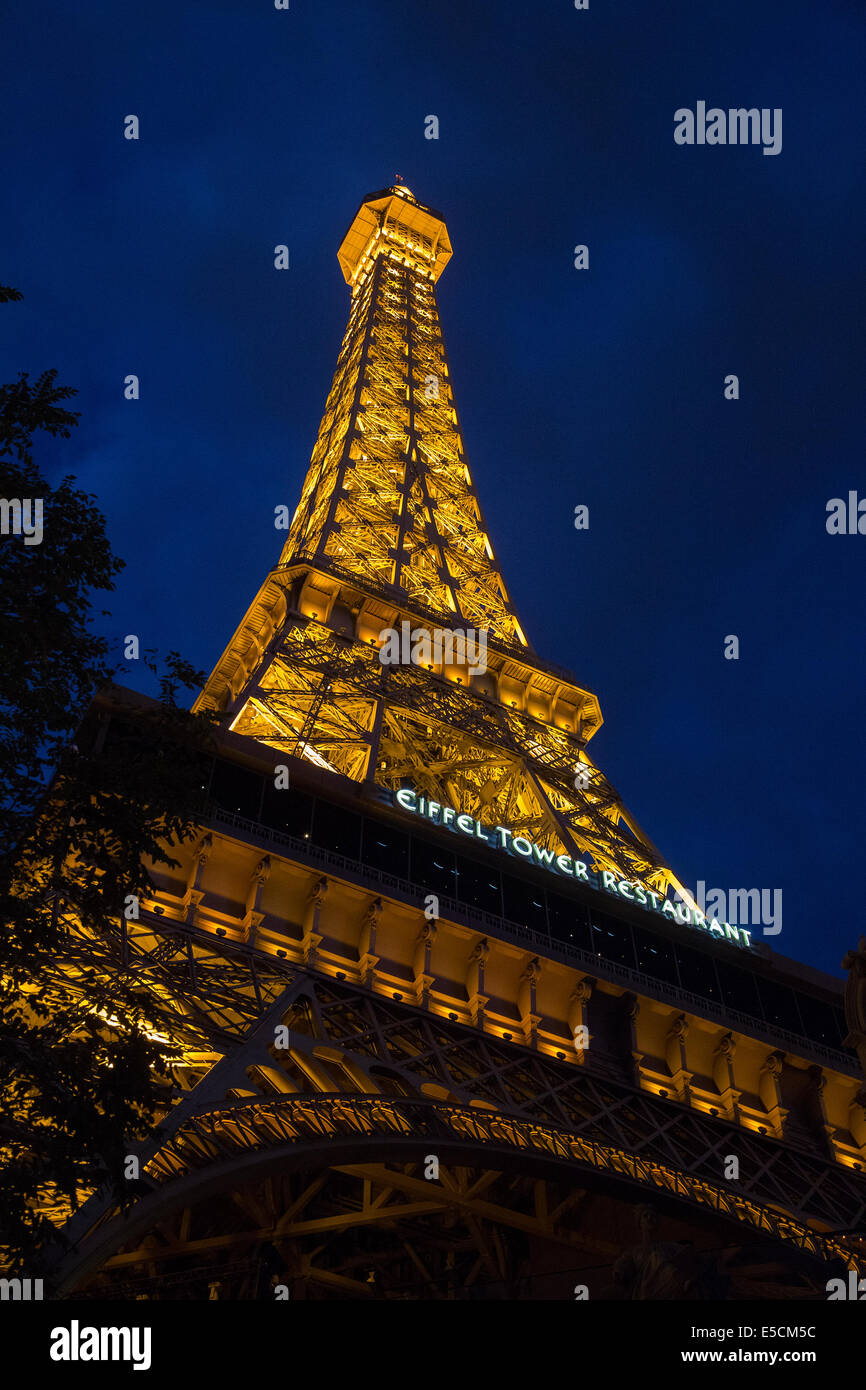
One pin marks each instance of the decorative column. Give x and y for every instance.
(478, 1000)
(312, 938)
(857, 1121)
(675, 1056)
(770, 1091)
(632, 1008)
(424, 980)
(367, 958)
(723, 1076)
(253, 918)
(578, 1014)
(817, 1083)
(526, 1001)
(193, 895)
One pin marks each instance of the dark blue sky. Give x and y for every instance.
(604, 387)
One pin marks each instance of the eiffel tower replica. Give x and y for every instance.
(450, 1026)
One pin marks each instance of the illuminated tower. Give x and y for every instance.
(389, 530)
(446, 1015)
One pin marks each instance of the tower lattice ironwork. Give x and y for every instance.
(389, 530)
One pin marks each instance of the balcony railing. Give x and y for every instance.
(539, 942)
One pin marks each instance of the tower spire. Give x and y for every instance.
(388, 494)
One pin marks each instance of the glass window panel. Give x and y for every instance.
(611, 939)
(524, 903)
(237, 789)
(819, 1020)
(479, 886)
(655, 956)
(569, 921)
(386, 848)
(739, 989)
(336, 829)
(697, 973)
(433, 868)
(780, 1005)
(287, 810)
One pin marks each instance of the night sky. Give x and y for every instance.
(602, 387)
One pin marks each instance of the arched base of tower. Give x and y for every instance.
(383, 1230)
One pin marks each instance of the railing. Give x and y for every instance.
(541, 942)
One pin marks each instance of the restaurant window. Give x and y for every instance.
(479, 886)
(697, 973)
(611, 939)
(739, 989)
(386, 848)
(433, 868)
(780, 1005)
(336, 829)
(655, 956)
(236, 789)
(287, 810)
(819, 1020)
(523, 903)
(568, 921)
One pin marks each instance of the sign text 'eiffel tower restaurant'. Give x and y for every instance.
(498, 837)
